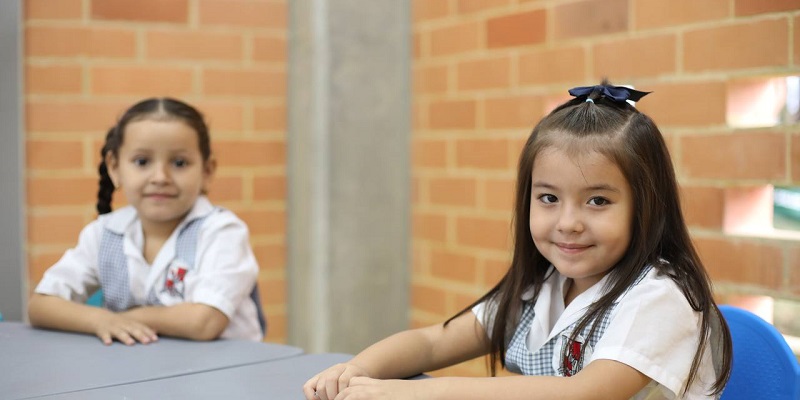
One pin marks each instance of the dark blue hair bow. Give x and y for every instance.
(616, 93)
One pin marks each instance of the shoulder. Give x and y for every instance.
(118, 221)
(655, 288)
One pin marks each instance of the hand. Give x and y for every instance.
(329, 383)
(377, 389)
(116, 326)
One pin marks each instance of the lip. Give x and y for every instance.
(160, 195)
(572, 248)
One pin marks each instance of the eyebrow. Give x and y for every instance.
(595, 188)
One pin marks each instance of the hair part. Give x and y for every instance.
(162, 109)
(659, 236)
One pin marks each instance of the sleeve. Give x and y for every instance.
(75, 276)
(655, 331)
(225, 267)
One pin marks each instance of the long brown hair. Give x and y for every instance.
(659, 236)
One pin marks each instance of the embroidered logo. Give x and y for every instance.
(173, 281)
(571, 355)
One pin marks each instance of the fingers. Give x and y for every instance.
(126, 331)
(329, 383)
(310, 388)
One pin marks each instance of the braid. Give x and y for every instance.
(106, 191)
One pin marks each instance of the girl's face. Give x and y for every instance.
(161, 170)
(581, 213)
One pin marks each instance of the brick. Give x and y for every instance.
(453, 192)
(271, 257)
(685, 104)
(483, 233)
(39, 264)
(487, 73)
(429, 153)
(276, 293)
(269, 188)
(244, 82)
(473, 6)
(424, 10)
(243, 13)
(453, 266)
(428, 226)
(53, 79)
(278, 329)
(73, 116)
(650, 14)
(484, 154)
(551, 66)
(744, 45)
(740, 261)
(795, 158)
(53, 155)
(226, 188)
(457, 39)
(493, 271)
(175, 11)
(793, 267)
(142, 81)
(703, 206)
(456, 114)
(221, 116)
(269, 49)
(430, 79)
(522, 29)
(590, 18)
(55, 10)
(62, 191)
(753, 7)
(427, 298)
(250, 153)
(270, 118)
(264, 222)
(756, 155)
(43, 41)
(796, 40)
(54, 229)
(499, 194)
(512, 112)
(655, 56)
(193, 45)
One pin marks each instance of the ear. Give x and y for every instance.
(209, 168)
(112, 165)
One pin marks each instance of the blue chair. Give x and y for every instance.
(764, 366)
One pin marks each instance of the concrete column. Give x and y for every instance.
(349, 173)
(13, 276)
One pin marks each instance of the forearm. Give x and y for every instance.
(53, 312)
(186, 320)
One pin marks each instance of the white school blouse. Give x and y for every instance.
(222, 277)
(653, 329)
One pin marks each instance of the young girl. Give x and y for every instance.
(605, 296)
(169, 263)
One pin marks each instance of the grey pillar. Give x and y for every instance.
(13, 276)
(348, 170)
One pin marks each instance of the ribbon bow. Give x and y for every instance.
(616, 93)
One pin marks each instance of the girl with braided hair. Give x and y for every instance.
(605, 297)
(169, 263)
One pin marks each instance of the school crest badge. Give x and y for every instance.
(569, 357)
(174, 279)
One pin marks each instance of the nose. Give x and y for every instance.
(160, 174)
(570, 220)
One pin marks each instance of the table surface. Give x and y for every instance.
(35, 362)
(274, 380)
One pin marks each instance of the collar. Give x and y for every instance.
(121, 220)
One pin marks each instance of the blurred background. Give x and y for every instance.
(371, 147)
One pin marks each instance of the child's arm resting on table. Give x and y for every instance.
(185, 320)
(52, 312)
(405, 354)
(601, 379)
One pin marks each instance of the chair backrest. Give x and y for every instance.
(764, 366)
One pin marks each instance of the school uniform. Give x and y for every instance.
(207, 259)
(652, 328)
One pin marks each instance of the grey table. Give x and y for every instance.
(36, 362)
(270, 380)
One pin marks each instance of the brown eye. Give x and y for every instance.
(598, 201)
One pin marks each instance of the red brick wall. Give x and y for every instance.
(485, 71)
(86, 61)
